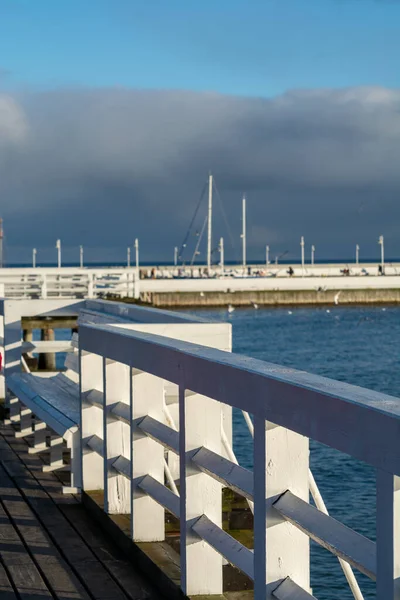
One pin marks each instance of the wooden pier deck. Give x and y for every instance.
(50, 548)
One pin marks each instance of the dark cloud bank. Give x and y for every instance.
(101, 167)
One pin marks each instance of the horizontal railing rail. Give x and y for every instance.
(124, 418)
(334, 413)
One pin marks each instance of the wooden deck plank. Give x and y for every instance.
(6, 589)
(109, 554)
(57, 575)
(20, 567)
(78, 555)
(102, 569)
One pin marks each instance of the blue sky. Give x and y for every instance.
(253, 48)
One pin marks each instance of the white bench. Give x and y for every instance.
(51, 403)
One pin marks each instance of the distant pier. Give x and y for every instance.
(193, 286)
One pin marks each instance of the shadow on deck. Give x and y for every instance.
(51, 545)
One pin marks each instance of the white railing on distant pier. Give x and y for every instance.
(69, 282)
(122, 282)
(125, 432)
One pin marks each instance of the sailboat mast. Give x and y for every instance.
(209, 237)
(1, 245)
(244, 229)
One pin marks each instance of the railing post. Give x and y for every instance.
(147, 517)
(116, 438)
(387, 536)
(90, 285)
(260, 518)
(288, 548)
(91, 378)
(2, 358)
(12, 353)
(136, 285)
(200, 425)
(44, 286)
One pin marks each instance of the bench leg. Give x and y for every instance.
(39, 439)
(26, 422)
(76, 465)
(15, 408)
(56, 454)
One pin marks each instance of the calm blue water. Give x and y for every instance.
(356, 345)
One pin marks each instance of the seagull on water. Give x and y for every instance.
(231, 308)
(255, 305)
(336, 298)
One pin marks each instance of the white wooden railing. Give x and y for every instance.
(125, 433)
(66, 282)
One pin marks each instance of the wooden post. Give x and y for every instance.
(47, 361)
(288, 549)
(387, 536)
(260, 517)
(39, 438)
(90, 293)
(147, 517)
(116, 437)
(12, 353)
(2, 306)
(91, 369)
(200, 494)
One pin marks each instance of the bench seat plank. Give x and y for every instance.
(50, 400)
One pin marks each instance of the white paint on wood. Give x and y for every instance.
(116, 435)
(286, 467)
(160, 493)
(200, 425)
(123, 466)
(234, 552)
(289, 590)
(226, 472)
(95, 443)
(332, 412)
(147, 516)
(342, 541)
(46, 347)
(260, 513)
(91, 369)
(161, 433)
(387, 536)
(39, 437)
(121, 411)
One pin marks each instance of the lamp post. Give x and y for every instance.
(302, 254)
(128, 257)
(176, 256)
(34, 252)
(243, 236)
(357, 253)
(81, 256)
(58, 246)
(381, 242)
(221, 255)
(266, 256)
(136, 246)
(312, 254)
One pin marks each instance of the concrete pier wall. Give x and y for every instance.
(274, 298)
